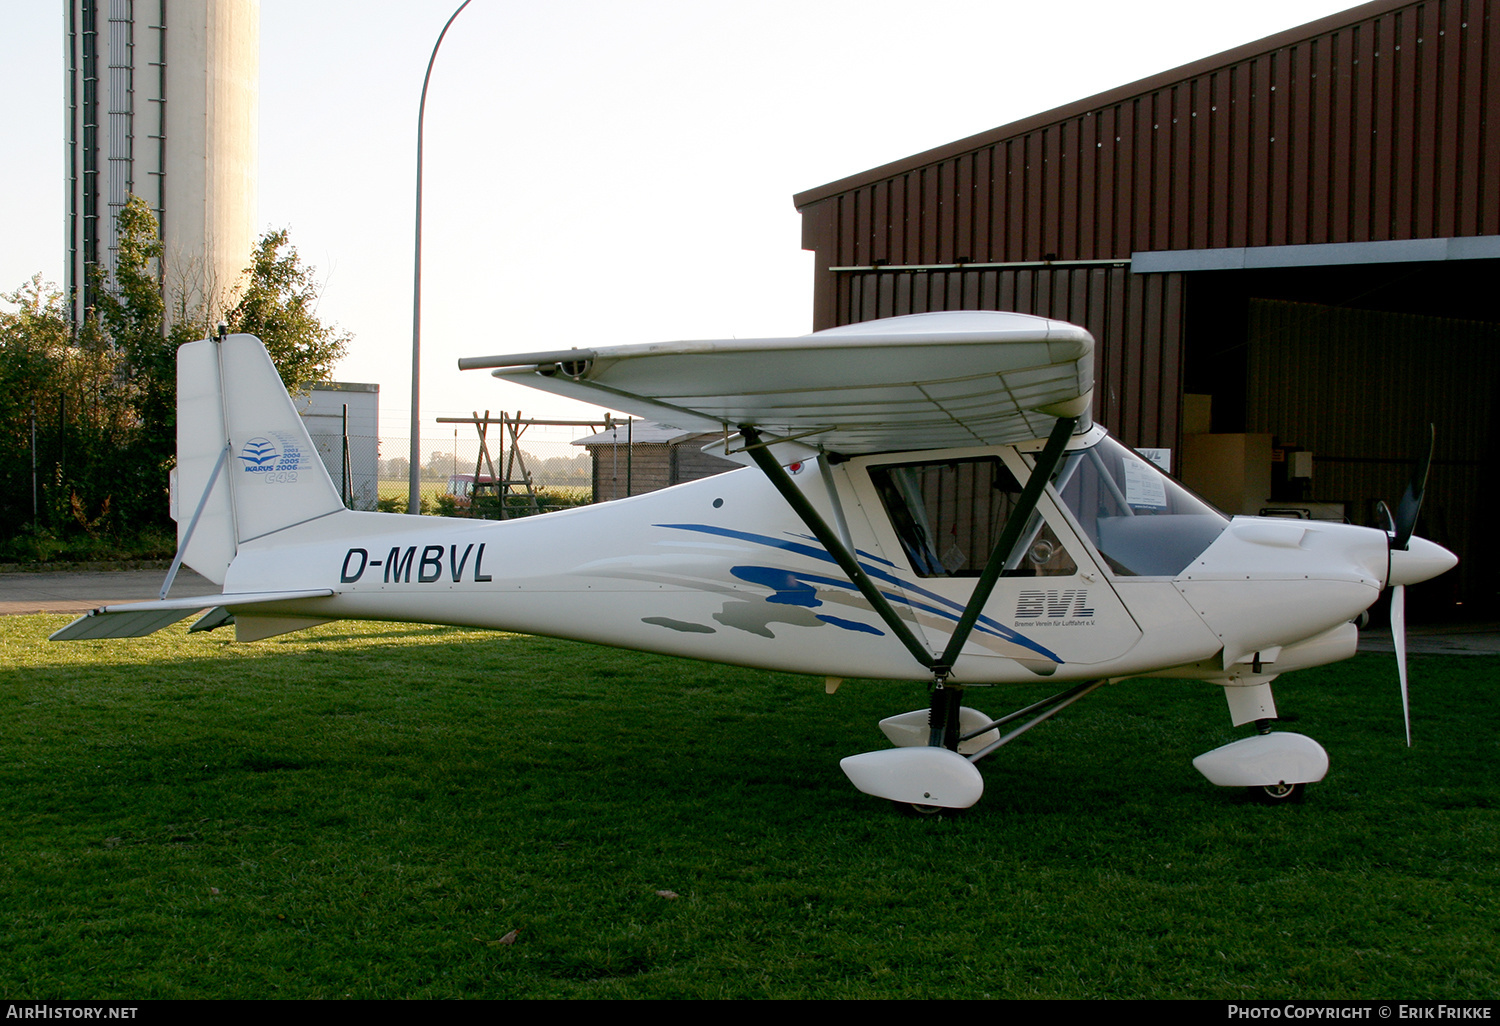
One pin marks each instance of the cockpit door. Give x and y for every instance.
(937, 516)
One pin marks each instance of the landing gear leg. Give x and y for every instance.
(942, 732)
(1275, 766)
(942, 717)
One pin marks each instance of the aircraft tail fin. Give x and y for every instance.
(246, 466)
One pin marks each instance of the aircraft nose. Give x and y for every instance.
(1422, 560)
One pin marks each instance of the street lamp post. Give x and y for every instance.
(414, 497)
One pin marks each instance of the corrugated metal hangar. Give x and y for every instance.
(1289, 255)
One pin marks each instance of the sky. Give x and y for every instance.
(596, 173)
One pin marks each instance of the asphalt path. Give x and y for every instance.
(79, 591)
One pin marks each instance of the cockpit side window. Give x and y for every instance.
(1143, 522)
(949, 514)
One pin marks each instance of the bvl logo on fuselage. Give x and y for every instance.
(1054, 607)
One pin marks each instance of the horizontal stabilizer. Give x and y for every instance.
(122, 623)
(212, 620)
(138, 619)
(250, 627)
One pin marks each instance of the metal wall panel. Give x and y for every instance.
(1377, 129)
(1376, 124)
(1135, 318)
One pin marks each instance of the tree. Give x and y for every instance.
(64, 409)
(279, 306)
(132, 313)
(438, 466)
(29, 339)
(104, 393)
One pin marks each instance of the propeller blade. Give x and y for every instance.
(1398, 635)
(1387, 522)
(1411, 500)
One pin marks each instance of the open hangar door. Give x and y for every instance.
(1351, 364)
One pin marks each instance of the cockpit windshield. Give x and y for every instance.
(1143, 523)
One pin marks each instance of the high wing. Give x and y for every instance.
(921, 381)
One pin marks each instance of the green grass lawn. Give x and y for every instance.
(369, 810)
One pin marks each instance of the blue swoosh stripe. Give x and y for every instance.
(991, 626)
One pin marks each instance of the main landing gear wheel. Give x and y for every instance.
(1278, 794)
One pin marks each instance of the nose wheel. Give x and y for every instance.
(1274, 768)
(1278, 794)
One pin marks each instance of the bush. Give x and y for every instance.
(486, 505)
(399, 504)
(44, 545)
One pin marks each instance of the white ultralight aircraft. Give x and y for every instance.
(931, 501)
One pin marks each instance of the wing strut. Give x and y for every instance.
(1040, 474)
(940, 666)
(778, 476)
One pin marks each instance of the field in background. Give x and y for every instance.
(379, 467)
(393, 489)
(394, 810)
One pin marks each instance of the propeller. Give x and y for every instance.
(1411, 501)
(1399, 529)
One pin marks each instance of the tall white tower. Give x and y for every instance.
(163, 99)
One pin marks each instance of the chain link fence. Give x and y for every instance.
(457, 478)
(498, 478)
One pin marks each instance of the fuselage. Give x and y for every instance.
(1122, 573)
